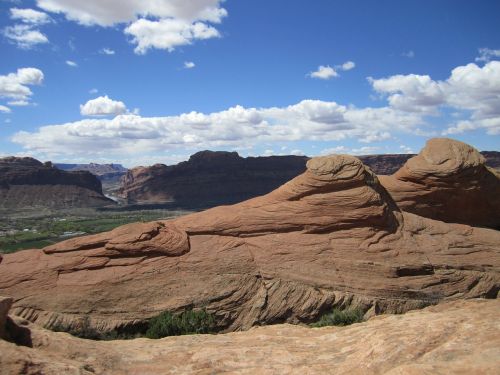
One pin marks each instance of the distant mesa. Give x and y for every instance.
(332, 236)
(449, 181)
(26, 183)
(211, 178)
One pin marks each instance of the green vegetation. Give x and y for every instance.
(163, 325)
(37, 232)
(185, 323)
(340, 318)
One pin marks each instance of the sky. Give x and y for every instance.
(140, 82)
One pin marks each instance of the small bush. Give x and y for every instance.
(185, 323)
(340, 318)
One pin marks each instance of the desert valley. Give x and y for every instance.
(261, 187)
(335, 236)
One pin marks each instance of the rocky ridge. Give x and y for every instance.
(332, 236)
(462, 337)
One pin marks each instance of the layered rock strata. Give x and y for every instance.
(26, 183)
(449, 181)
(330, 237)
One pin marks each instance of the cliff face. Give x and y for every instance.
(332, 236)
(28, 183)
(210, 178)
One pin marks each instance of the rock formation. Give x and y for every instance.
(329, 237)
(449, 181)
(109, 174)
(210, 178)
(26, 183)
(461, 337)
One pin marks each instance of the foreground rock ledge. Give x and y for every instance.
(461, 337)
(330, 237)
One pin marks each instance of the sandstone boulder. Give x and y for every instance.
(448, 181)
(330, 237)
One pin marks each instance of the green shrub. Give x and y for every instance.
(185, 323)
(340, 318)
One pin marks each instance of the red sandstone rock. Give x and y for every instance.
(448, 181)
(330, 237)
(462, 337)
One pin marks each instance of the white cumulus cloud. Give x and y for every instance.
(469, 89)
(235, 127)
(24, 36)
(103, 106)
(348, 65)
(324, 72)
(167, 33)
(189, 65)
(487, 54)
(161, 24)
(71, 63)
(15, 86)
(29, 16)
(4, 109)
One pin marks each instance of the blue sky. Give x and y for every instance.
(141, 82)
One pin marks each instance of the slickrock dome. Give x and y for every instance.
(329, 237)
(448, 181)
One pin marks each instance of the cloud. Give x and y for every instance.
(24, 36)
(102, 106)
(324, 72)
(106, 51)
(30, 16)
(327, 72)
(19, 103)
(161, 24)
(111, 12)
(410, 54)
(412, 92)
(237, 126)
(470, 89)
(189, 65)
(167, 33)
(486, 54)
(366, 150)
(348, 65)
(71, 63)
(4, 109)
(14, 86)
(93, 91)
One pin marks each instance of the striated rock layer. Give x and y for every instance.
(462, 337)
(330, 237)
(213, 178)
(210, 178)
(26, 183)
(449, 181)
